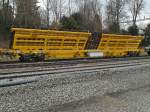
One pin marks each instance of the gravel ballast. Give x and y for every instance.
(114, 90)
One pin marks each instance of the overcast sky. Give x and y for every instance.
(145, 12)
(147, 7)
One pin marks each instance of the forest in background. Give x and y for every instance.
(71, 15)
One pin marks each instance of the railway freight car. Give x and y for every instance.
(36, 45)
(120, 45)
(111, 45)
(32, 44)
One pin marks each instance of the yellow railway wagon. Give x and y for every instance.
(34, 43)
(120, 45)
(53, 44)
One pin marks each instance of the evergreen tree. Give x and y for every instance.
(6, 21)
(6, 17)
(133, 30)
(74, 22)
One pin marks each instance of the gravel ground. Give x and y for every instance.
(131, 101)
(116, 90)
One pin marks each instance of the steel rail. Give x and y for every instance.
(56, 68)
(18, 79)
(63, 62)
(13, 79)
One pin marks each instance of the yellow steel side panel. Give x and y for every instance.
(67, 54)
(119, 45)
(32, 40)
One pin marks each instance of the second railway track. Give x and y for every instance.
(11, 78)
(9, 65)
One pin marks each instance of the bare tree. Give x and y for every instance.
(45, 13)
(48, 12)
(27, 14)
(90, 11)
(70, 7)
(115, 12)
(135, 7)
(57, 9)
(54, 11)
(5, 7)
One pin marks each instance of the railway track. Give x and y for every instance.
(4, 65)
(12, 78)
